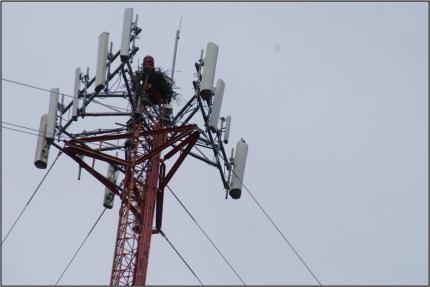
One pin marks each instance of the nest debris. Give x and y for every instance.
(156, 85)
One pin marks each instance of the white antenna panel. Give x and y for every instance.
(76, 88)
(126, 32)
(52, 114)
(109, 196)
(209, 67)
(216, 106)
(227, 129)
(42, 148)
(101, 61)
(238, 169)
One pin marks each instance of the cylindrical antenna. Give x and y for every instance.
(208, 74)
(227, 129)
(52, 114)
(216, 106)
(76, 88)
(101, 61)
(109, 196)
(61, 114)
(238, 169)
(86, 78)
(42, 148)
(176, 49)
(230, 169)
(135, 31)
(110, 56)
(126, 31)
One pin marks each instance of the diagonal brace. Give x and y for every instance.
(96, 174)
(160, 148)
(114, 188)
(179, 146)
(174, 168)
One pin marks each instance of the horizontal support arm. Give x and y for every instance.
(94, 154)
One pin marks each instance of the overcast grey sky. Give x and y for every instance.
(332, 99)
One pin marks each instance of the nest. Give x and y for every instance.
(156, 85)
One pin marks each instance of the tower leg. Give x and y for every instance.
(124, 260)
(133, 240)
(148, 206)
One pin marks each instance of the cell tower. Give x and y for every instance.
(146, 151)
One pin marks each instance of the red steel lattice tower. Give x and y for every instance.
(153, 143)
(142, 189)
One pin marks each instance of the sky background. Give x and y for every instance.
(332, 99)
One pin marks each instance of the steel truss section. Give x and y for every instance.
(143, 188)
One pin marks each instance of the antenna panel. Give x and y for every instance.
(208, 74)
(216, 106)
(42, 147)
(238, 169)
(126, 32)
(109, 196)
(101, 61)
(227, 129)
(52, 114)
(76, 88)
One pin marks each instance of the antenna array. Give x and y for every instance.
(137, 171)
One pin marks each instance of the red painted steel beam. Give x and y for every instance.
(181, 158)
(114, 188)
(144, 242)
(136, 214)
(177, 148)
(95, 173)
(124, 258)
(129, 135)
(157, 150)
(95, 154)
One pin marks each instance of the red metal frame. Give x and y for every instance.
(139, 200)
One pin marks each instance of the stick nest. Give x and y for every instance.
(156, 84)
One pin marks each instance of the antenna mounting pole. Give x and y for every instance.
(176, 49)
